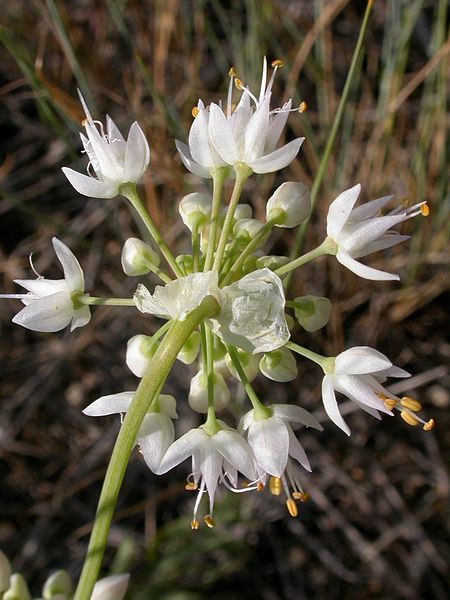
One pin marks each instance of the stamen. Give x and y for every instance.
(411, 403)
(84, 122)
(195, 524)
(191, 486)
(302, 496)
(232, 72)
(30, 260)
(292, 507)
(408, 418)
(260, 487)
(275, 485)
(195, 111)
(303, 107)
(429, 425)
(239, 84)
(425, 210)
(209, 521)
(278, 63)
(390, 403)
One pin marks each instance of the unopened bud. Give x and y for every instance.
(111, 588)
(271, 262)
(289, 205)
(138, 258)
(185, 262)
(243, 211)
(279, 365)
(198, 393)
(312, 312)
(140, 349)
(195, 209)
(246, 229)
(57, 585)
(18, 589)
(249, 362)
(189, 351)
(5, 572)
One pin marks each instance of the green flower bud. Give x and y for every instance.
(312, 312)
(18, 589)
(246, 229)
(190, 349)
(138, 258)
(249, 362)
(140, 349)
(198, 393)
(195, 209)
(279, 365)
(58, 584)
(289, 205)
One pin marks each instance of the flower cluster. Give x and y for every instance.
(224, 306)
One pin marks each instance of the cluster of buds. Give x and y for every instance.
(249, 331)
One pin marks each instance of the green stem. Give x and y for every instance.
(261, 411)
(252, 245)
(328, 246)
(219, 177)
(325, 362)
(242, 174)
(196, 247)
(154, 377)
(298, 243)
(211, 425)
(130, 192)
(85, 299)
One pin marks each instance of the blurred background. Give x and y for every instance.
(376, 522)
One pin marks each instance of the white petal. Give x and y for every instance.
(386, 241)
(48, 314)
(155, 436)
(112, 130)
(361, 234)
(236, 451)
(88, 186)
(256, 132)
(276, 127)
(278, 159)
(137, 154)
(355, 386)
(210, 466)
(369, 209)
(269, 439)
(296, 450)
(43, 287)
(189, 162)
(296, 414)
(246, 420)
(111, 588)
(73, 273)
(81, 317)
(110, 165)
(396, 372)
(221, 135)
(361, 359)
(110, 405)
(363, 270)
(331, 406)
(199, 140)
(181, 449)
(340, 210)
(147, 304)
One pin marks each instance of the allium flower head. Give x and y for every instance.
(360, 231)
(247, 135)
(51, 304)
(113, 161)
(358, 373)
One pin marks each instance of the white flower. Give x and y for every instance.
(248, 135)
(113, 587)
(358, 374)
(51, 304)
(360, 231)
(215, 459)
(274, 444)
(252, 313)
(178, 298)
(156, 432)
(113, 160)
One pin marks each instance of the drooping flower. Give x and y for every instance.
(252, 313)
(358, 373)
(247, 135)
(113, 160)
(360, 231)
(275, 444)
(51, 304)
(156, 432)
(178, 298)
(216, 458)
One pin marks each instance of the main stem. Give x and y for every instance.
(129, 191)
(153, 380)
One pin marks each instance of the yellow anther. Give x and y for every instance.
(209, 521)
(410, 403)
(84, 122)
(277, 63)
(409, 418)
(260, 487)
(275, 485)
(302, 496)
(195, 524)
(429, 425)
(232, 72)
(303, 107)
(425, 210)
(191, 486)
(390, 403)
(292, 507)
(239, 84)
(195, 111)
